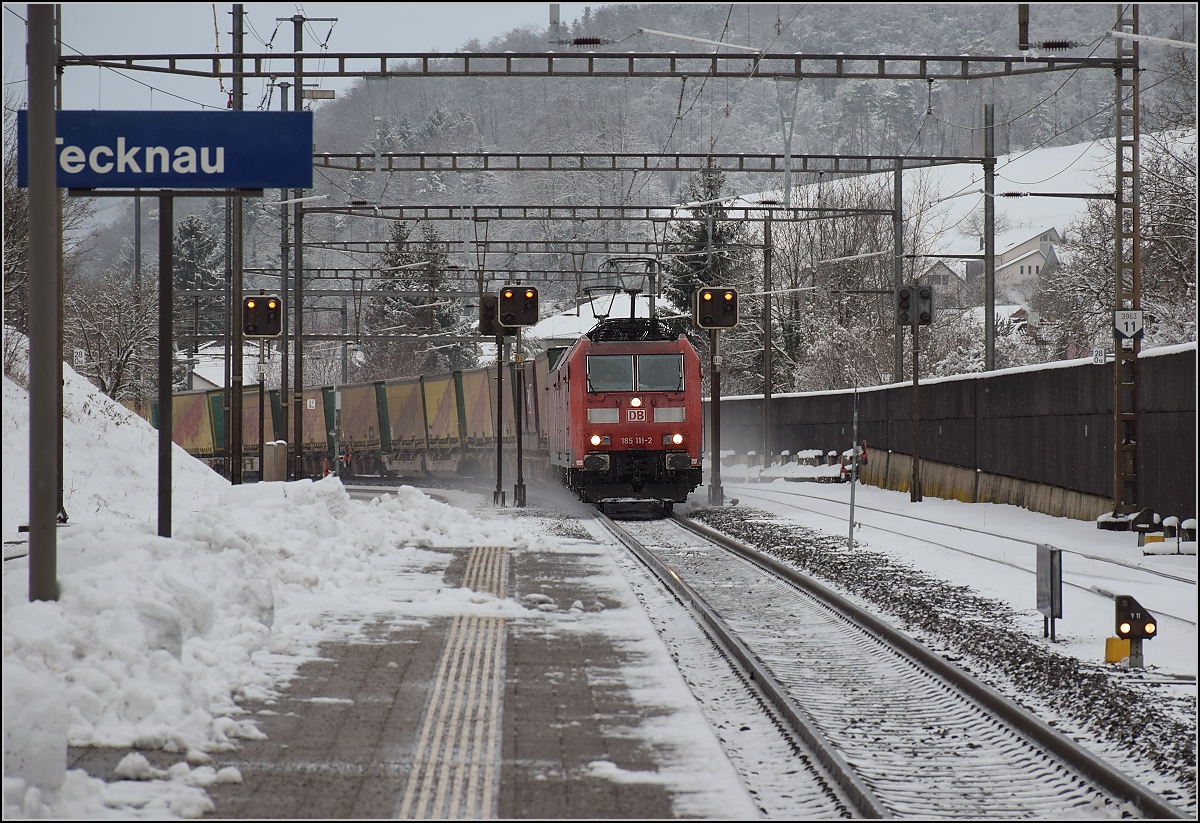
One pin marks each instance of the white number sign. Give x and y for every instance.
(1128, 324)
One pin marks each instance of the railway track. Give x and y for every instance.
(895, 728)
(902, 526)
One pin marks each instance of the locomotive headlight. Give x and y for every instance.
(596, 440)
(636, 402)
(672, 439)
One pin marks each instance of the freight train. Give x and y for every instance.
(616, 416)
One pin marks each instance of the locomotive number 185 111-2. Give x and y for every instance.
(636, 441)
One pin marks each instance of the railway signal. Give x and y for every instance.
(489, 326)
(914, 305)
(715, 308)
(272, 316)
(250, 318)
(261, 316)
(1134, 622)
(924, 305)
(904, 306)
(518, 306)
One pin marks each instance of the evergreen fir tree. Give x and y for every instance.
(695, 261)
(198, 264)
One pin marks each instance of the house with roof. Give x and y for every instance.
(206, 368)
(947, 284)
(1021, 256)
(1017, 319)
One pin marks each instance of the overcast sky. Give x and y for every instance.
(188, 28)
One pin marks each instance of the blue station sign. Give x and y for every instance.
(177, 149)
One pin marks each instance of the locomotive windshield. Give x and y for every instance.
(610, 372)
(660, 372)
(654, 372)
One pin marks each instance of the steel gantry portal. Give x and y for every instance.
(765, 66)
(636, 162)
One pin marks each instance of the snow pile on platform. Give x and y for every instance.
(153, 639)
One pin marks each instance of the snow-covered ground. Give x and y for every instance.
(992, 549)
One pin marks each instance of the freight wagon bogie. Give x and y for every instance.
(404, 464)
(442, 462)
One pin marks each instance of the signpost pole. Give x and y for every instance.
(298, 362)
(298, 269)
(166, 222)
(519, 409)
(58, 273)
(498, 497)
(43, 313)
(915, 495)
(854, 452)
(284, 388)
(236, 376)
(262, 423)
(716, 495)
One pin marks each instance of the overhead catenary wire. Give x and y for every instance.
(1107, 110)
(679, 115)
(132, 79)
(217, 49)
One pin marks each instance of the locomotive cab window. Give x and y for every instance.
(660, 372)
(610, 372)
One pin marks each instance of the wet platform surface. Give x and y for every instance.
(529, 713)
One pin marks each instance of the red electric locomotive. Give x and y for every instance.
(624, 414)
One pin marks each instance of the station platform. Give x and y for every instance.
(541, 712)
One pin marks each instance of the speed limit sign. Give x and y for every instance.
(1128, 324)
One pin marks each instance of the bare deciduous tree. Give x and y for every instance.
(1076, 298)
(77, 214)
(117, 333)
